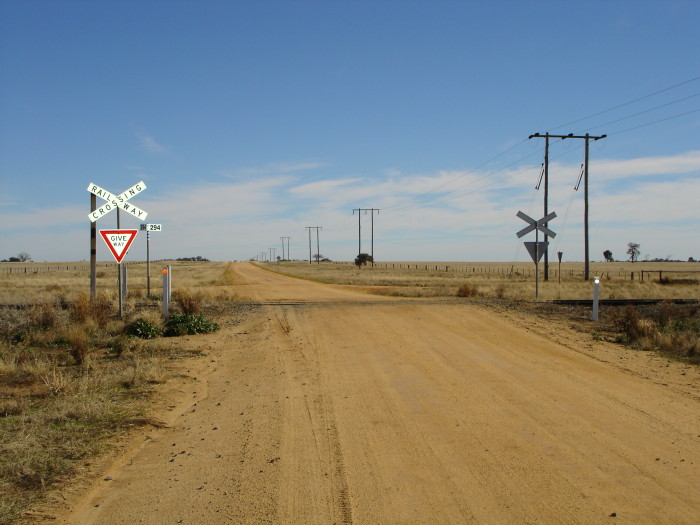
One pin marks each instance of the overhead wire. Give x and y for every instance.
(463, 174)
(624, 104)
(417, 201)
(645, 111)
(654, 122)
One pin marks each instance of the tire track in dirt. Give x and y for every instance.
(306, 383)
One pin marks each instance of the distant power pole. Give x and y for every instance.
(359, 228)
(318, 248)
(289, 258)
(587, 138)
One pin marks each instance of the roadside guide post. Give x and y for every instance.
(536, 249)
(596, 285)
(118, 241)
(166, 290)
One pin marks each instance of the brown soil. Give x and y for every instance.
(340, 407)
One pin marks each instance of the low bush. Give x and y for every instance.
(188, 303)
(467, 290)
(188, 324)
(144, 329)
(671, 329)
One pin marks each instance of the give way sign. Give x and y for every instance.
(118, 241)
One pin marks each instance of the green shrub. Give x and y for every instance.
(144, 329)
(188, 324)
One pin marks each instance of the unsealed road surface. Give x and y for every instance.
(347, 408)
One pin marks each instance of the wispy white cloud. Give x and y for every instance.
(644, 166)
(149, 144)
(237, 218)
(271, 169)
(323, 188)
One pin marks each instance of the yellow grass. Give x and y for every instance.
(37, 283)
(507, 280)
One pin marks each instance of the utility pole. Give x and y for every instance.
(587, 137)
(359, 228)
(288, 256)
(546, 196)
(318, 248)
(273, 251)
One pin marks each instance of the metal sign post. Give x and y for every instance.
(148, 228)
(536, 249)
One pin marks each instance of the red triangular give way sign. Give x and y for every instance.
(118, 241)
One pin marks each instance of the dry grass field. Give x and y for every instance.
(73, 375)
(38, 283)
(507, 281)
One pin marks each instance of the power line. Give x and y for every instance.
(463, 174)
(646, 111)
(655, 122)
(628, 103)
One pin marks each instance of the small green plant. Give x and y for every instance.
(144, 329)
(188, 324)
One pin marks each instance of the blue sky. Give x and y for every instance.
(251, 120)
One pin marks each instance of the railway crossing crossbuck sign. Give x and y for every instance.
(117, 201)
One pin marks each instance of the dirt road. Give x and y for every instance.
(354, 409)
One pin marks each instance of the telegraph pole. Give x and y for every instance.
(288, 256)
(546, 197)
(587, 137)
(359, 228)
(318, 248)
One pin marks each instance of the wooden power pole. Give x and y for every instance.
(587, 137)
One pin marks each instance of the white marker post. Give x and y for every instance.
(166, 291)
(596, 285)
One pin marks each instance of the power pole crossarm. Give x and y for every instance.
(587, 137)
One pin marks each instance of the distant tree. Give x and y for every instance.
(24, 257)
(608, 256)
(362, 260)
(691, 259)
(319, 257)
(633, 251)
